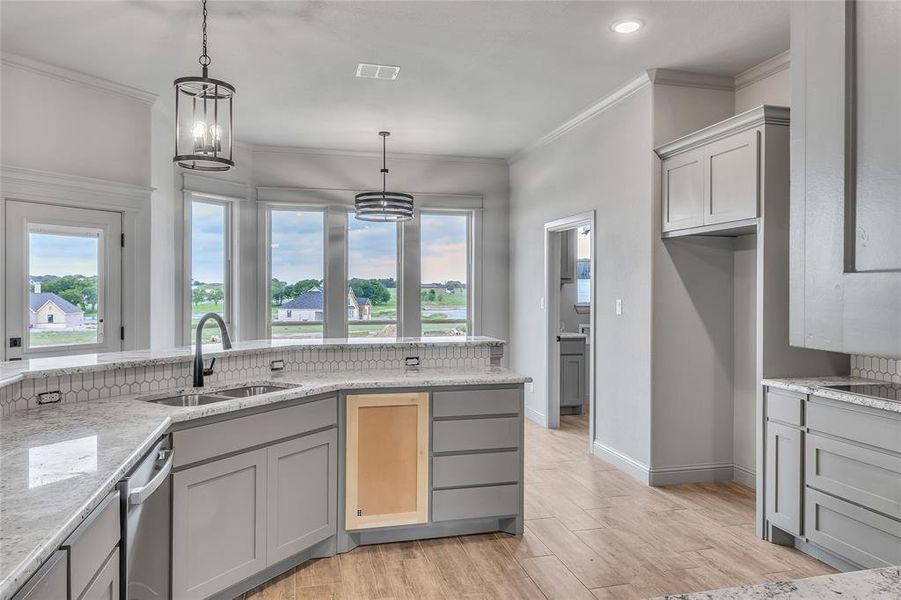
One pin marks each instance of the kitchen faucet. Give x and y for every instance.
(199, 370)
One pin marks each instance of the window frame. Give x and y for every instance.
(470, 265)
(265, 251)
(228, 292)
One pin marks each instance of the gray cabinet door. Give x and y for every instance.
(568, 251)
(784, 457)
(845, 149)
(218, 524)
(105, 585)
(572, 380)
(732, 183)
(49, 583)
(683, 191)
(302, 496)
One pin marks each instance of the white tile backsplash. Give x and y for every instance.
(136, 380)
(876, 367)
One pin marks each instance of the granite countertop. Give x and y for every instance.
(58, 462)
(872, 584)
(571, 335)
(816, 386)
(13, 371)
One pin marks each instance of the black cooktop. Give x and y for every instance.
(885, 391)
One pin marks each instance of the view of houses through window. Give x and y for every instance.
(209, 266)
(297, 263)
(444, 287)
(371, 278)
(63, 295)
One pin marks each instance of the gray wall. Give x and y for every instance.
(744, 424)
(606, 165)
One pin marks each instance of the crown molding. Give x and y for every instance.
(689, 79)
(598, 107)
(345, 197)
(762, 115)
(365, 154)
(76, 77)
(17, 183)
(770, 66)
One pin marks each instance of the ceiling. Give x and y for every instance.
(476, 79)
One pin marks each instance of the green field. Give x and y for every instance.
(50, 337)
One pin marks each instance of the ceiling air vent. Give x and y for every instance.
(369, 71)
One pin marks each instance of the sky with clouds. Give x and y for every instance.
(62, 255)
(207, 242)
(443, 248)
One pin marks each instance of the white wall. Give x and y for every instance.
(766, 83)
(163, 226)
(603, 165)
(744, 424)
(301, 168)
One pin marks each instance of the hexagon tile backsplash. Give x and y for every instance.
(136, 380)
(876, 367)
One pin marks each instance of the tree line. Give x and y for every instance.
(374, 289)
(79, 290)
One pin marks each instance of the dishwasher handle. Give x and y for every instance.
(140, 494)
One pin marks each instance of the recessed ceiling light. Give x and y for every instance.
(627, 25)
(372, 71)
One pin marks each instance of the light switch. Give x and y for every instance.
(541, 303)
(619, 306)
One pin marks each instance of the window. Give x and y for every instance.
(372, 278)
(210, 265)
(445, 280)
(297, 264)
(64, 296)
(583, 269)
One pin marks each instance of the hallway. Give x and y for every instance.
(592, 532)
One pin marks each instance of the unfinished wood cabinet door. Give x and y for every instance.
(387, 474)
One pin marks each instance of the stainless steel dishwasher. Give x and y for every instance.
(146, 495)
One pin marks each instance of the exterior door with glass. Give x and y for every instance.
(63, 280)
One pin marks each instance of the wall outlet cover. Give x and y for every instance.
(50, 397)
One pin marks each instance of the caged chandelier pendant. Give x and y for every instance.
(384, 206)
(203, 118)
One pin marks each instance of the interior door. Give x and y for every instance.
(63, 280)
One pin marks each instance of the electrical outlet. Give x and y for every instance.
(50, 397)
(412, 361)
(277, 365)
(619, 306)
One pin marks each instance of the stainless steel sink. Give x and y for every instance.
(252, 390)
(190, 400)
(201, 398)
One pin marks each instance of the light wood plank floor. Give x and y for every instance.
(591, 532)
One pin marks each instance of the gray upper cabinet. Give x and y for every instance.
(218, 524)
(732, 182)
(713, 181)
(683, 191)
(302, 494)
(845, 177)
(568, 251)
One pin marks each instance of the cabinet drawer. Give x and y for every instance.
(576, 347)
(224, 437)
(91, 543)
(477, 502)
(863, 476)
(475, 434)
(868, 426)
(105, 585)
(475, 469)
(476, 402)
(49, 583)
(785, 407)
(854, 533)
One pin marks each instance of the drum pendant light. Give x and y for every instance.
(203, 118)
(384, 205)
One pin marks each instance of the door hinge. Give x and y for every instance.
(122, 333)
(122, 240)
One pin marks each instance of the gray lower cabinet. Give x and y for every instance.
(218, 524)
(105, 585)
(49, 583)
(784, 456)
(572, 382)
(302, 492)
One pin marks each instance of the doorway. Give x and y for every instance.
(570, 331)
(62, 273)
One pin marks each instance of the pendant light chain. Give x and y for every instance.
(384, 206)
(204, 59)
(384, 164)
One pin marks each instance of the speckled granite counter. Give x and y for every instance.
(816, 385)
(58, 462)
(872, 584)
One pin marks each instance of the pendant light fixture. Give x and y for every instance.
(203, 118)
(384, 205)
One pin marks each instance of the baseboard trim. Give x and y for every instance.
(538, 417)
(691, 474)
(744, 476)
(623, 462)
